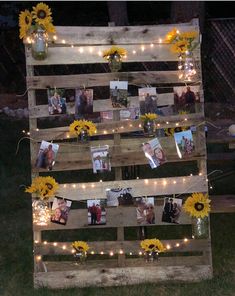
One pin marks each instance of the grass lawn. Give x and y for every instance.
(16, 260)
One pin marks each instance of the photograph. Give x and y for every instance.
(126, 114)
(185, 98)
(145, 211)
(119, 197)
(46, 155)
(154, 153)
(56, 101)
(96, 211)
(148, 100)
(100, 159)
(119, 94)
(83, 102)
(171, 210)
(184, 143)
(60, 210)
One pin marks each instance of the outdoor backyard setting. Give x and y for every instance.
(117, 148)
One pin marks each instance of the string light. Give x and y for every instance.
(160, 40)
(36, 241)
(92, 252)
(168, 247)
(177, 245)
(142, 47)
(151, 45)
(101, 253)
(121, 252)
(111, 253)
(72, 46)
(164, 183)
(45, 242)
(134, 51)
(73, 251)
(81, 50)
(185, 240)
(38, 258)
(55, 37)
(99, 53)
(140, 253)
(28, 133)
(90, 49)
(64, 247)
(74, 185)
(55, 244)
(84, 186)
(174, 182)
(130, 253)
(63, 41)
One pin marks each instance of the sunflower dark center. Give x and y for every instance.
(49, 186)
(199, 206)
(86, 126)
(27, 20)
(76, 128)
(151, 246)
(41, 14)
(80, 248)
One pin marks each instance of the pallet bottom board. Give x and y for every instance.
(121, 276)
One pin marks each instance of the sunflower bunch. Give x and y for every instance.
(114, 50)
(40, 17)
(80, 246)
(152, 245)
(78, 126)
(43, 187)
(197, 205)
(148, 116)
(182, 42)
(172, 130)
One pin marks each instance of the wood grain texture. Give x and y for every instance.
(115, 217)
(126, 126)
(68, 55)
(119, 34)
(102, 79)
(122, 276)
(143, 187)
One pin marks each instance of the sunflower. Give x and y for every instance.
(180, 46)
(197, 205)
(183, 112)
(189, 35)
(43, 187)
(170, 36)
(42, 14)
(80, 125)
(114, 50)
(80, 246)
(49, 28)
(148, 116)
(152, 245)
(171, 131)
(25, 22)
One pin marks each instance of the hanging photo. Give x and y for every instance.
(129, 113)
(119, 197)
(100, 159)
(83, 102)
(171, 210)
(46, 155)
(118, 94)
(185, 98)
(184, 143)
(154, 152)
(145, 211)
(148, 100)
(57, 101)
(60, 210)
(96, 212)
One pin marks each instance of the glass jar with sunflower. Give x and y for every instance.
(152, 248)
(81, 249)
(184, 44)
(198, 206)
(36, 25)
(83, 129)
(149, 126)
(43, 188)
(114, 56)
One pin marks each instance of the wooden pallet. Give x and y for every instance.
(122, 269)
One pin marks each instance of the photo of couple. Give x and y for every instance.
(96, 212)
(83, 102)
(56, 102)
(46, 155)
(118, 94)
(154, 152)
(148, 100)
(184, 143)
(100, 159)
(145, 211)
(60, 210)
(119, 197)
(186, 97)
(171, 210)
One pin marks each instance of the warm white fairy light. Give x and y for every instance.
(68, 136)
(167, 122)
(90, 49)
(65, 185)
(140, 125)
(137, 178)
(84, 186)
(177, 31)
(155, 182)
(23, 131)
(177, 123)
(130, 125)
(140, 253)
(185, 240)
(36, 241)
(130, 253)
(191, 175)
(64, 247)
(146, 181)
(180, 76)
(122, 127)
(134, 51)
(164, 183)
(174, 182)
(121, 252)
(158, 124)
(73, 251)
(177, 245)
(92, 252)
(72, 45)
(45, 242)
(184, 180)
(168, 247)
(81, 49)
(200, 174)
(55, 37)
(37, 129)
(160, 40)
(101, 253)
(99, 53)
(74, 185)
(104, 132)
(151, 45)
(38, 258)
(55, 244)
(111, 253)
(63, 41)
(185, 119)
(142, 47)
(92, 185)
(101, 181)
(28, 133)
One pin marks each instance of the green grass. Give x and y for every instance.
(16, 257)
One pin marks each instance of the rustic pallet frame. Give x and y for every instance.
(121, 270)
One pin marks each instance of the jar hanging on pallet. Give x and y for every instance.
(39, 44)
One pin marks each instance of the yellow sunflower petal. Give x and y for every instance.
(197, 205)
(42, 14)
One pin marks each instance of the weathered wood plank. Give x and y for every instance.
(61, 133)
(71, 55)
(115, 217)
(143, 187)
(122, 276)
(222, 203)
(65, 248)
(102, 79)
(119, 34)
